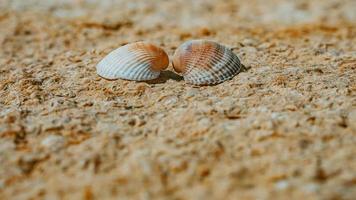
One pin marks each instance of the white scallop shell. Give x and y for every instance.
(138, 61)
(203, 62)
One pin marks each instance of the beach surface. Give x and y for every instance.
(283, 128)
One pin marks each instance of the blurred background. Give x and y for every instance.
(187, 14)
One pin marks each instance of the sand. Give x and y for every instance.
(284, 128)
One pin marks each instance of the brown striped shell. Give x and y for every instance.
(137, 61)
(203, 62)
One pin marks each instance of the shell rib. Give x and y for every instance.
(139, 61)
(203, 62)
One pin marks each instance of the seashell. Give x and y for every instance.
(203, 62)
(139, 61)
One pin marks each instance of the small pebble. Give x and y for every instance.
(282, 185)
(248, 42)
(265, 45)
(53, 142)
(311, 187)
(192, 92)
(352, 119)
(170, 100)
(2, 184)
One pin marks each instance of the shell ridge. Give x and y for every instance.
(123, 63)
(115, 61)
(108, 64)
(218, 61)
(118, 62)
(226, 66)
(229, 67)
(143, 72)
(234, 67)
(133, 62)
(140, 70)
(194, 75)
(134, 67)
(214, 64)
(229, 70)
(147, 72)
(101, 66)
(199, 61)
(206, 62)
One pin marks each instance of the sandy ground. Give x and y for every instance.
(283, 129)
